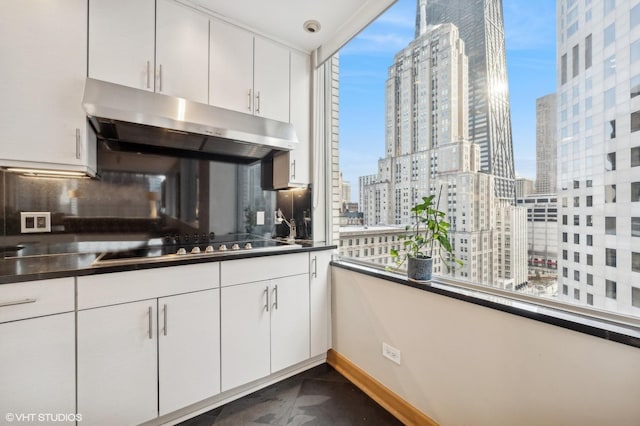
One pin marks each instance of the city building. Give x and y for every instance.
(428, 151)
(542, 229)
(598, 48)
(546, 145)
(370, 243)
(481, 27)
(524, 187)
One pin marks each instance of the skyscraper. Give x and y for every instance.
(427, 151)
(546, 146)
(598, 48)
(481, 27)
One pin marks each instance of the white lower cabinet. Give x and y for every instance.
(188, 348)
(265, 326)
(37, 367)
(147, 358)
(117, 364)
(320, 301)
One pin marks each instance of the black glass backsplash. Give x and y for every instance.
(138, 196)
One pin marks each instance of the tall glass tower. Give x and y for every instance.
(481, 27)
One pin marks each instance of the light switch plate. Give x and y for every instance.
(260, 218)
(31, 222)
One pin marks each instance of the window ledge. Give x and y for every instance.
(609, 326)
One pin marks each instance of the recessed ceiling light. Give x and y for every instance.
(311, 26)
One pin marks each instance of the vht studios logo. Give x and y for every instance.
(43, 417)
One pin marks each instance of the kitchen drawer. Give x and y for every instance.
(263, 268)
(36, 298)
(123, 287)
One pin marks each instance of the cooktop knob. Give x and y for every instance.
(209, 249)
(222, 247)
(195, 250)
(181, 251)
(212, 235)
(248, 246)
(235, 247)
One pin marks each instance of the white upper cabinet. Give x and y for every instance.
(182, 52)
(231, 69)
(122, 42)
(271, 80)
(247, 73)
(43, 47)
(164, 50)
(300, 100)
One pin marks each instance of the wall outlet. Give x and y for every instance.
(31, 222)
(391, 353)
(260, 218)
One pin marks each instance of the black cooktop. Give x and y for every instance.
(193, 244)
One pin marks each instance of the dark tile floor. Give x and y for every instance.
(317, 397)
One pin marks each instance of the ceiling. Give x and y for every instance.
(283, 20)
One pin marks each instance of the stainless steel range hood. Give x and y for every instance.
(131, 119)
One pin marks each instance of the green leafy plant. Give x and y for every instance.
(430, 229)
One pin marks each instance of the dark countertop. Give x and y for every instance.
(48, 266)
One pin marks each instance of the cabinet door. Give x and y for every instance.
(188, 348)
(43, 46)
(299, 160)
(122, 42)
(182, 52)
(271, 80)
(231, 68)
(37, 365)
(320, 302)
(117, 364)
(289, 321)
(245, 333)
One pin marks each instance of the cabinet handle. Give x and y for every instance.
(258, 102)
(148, 74)
(164, 309)
(150, 322)
(17, 302)
(160, 78)
(78, 144)
(293, 170)
(266, 292)
(315, 267)
(249, 100)
(275, 290)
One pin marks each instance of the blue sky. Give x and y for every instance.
(530, 42)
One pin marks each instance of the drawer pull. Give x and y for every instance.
(17, 302)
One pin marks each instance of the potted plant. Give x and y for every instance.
(430, 231)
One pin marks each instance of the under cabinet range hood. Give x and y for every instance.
(130, 119)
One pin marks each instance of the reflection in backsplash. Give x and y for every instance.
(142, 196)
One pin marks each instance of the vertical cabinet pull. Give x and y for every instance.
(150, 322)
(266, 292)
(160, 78)
(78, 144)
(293, 170)
(249, 100)
(315, 266)
(164, 309)
(148, 74)
(275, 290)
(258, 102)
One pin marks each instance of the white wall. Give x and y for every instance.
(465, 364)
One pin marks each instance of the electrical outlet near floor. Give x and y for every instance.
(35, 222)
(391, 353)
